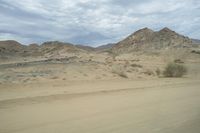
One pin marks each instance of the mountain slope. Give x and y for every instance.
(142, 40)
(87, 48)
(147, 39)
(105, 47)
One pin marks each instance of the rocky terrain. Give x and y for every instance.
(137, 56)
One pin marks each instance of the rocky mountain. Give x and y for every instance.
(147, 39)
(11, 47)
(142, 40)
(51, 48)
(100, 48)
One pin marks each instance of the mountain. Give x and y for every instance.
(34, 46)
(147, 39)
(142, 40)
(87, 48)
(196, 41)
(56, 49)
(51, 48)
(11, 48)
(100, 48)
(56, 45)
(10, 45)
(105, 47)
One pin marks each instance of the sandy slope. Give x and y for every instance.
(116, 106)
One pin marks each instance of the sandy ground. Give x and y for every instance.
(115, 106)
(99, 94)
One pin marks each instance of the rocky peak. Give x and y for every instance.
(166, 30)
(144, 31)
(147, 39)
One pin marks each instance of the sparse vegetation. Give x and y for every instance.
(195, 51)
(136, 65)
(148, 72)
(174, 70)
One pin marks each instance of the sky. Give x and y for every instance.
(94, 22)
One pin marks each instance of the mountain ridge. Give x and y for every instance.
(143, 39)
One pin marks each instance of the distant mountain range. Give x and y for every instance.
(143, 39)
(196, 41)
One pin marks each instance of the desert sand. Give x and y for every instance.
(156, 106)
(91, 97)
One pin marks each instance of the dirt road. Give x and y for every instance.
(163, 108)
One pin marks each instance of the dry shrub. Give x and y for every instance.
(149, 72)
(136, 65)
(195, 51)
(174, 70)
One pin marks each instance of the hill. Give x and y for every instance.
(10, 48)
(147, 40)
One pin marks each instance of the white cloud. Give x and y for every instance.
(107, 20)
(158, 6)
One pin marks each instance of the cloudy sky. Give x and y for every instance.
(94, 22)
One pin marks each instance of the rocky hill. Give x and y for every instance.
(142, 40)
(147, 39)
(12, 48)
(56, 48)
(84, 47)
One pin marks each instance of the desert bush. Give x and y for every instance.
(195, 51)
(136, 65)
(149, 72)
(174, 70)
